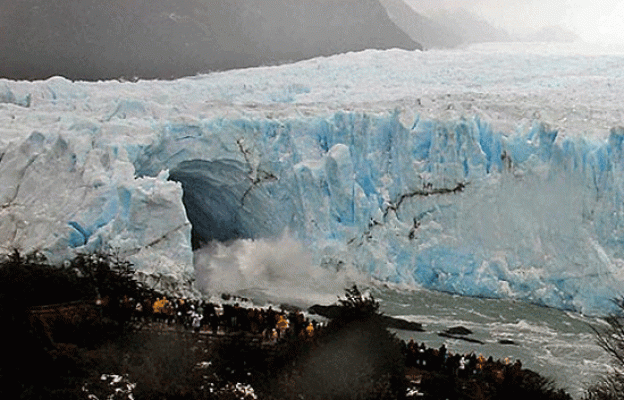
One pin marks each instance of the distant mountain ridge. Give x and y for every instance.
(454, 28)
(296, 29)
(470, 27)
(443, 29)
(420, 28)
(92, 39)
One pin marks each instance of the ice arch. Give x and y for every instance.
(223, 203)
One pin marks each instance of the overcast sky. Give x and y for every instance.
(593, 20)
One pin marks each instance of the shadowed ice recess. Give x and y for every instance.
(418, 169)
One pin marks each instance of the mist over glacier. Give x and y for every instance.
(489, 171)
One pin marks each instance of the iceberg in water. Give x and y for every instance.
(437, 194)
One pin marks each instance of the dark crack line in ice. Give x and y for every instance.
(424, 193)
(163, 237)
(256, 176)
(19, 184)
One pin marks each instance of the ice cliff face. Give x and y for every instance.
(422, 196)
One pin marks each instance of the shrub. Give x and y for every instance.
(611, 339)
(159, 364)
(531, 385)
(240, 360)
(354, 357)
(30, 281)
(38, 365)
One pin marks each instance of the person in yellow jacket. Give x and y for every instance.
(310, 330)
(157, 306)
(282, 325)
(480, 363)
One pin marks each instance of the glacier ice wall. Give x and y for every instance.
(499, 184)
(449, 205)
(61, 194)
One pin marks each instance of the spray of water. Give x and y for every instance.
(277, 270)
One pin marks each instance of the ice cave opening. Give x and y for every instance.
(242, 243)
(222, 202)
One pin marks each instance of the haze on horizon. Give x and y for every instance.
(598, 21)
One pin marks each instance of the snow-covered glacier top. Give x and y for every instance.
(494, 170)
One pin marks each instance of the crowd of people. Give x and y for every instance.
(460, 365)
(273, 324)
(221, 318)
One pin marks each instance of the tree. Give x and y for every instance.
(611, 339)
(354, 357)
(356, 307)
(44, 350)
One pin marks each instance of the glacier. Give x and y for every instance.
(491, 171)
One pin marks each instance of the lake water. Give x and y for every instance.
(557, 344)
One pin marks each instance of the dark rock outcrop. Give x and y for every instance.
(458, 330)
(332, 312)
(93, 39)
(460, 337)
(459, 333)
